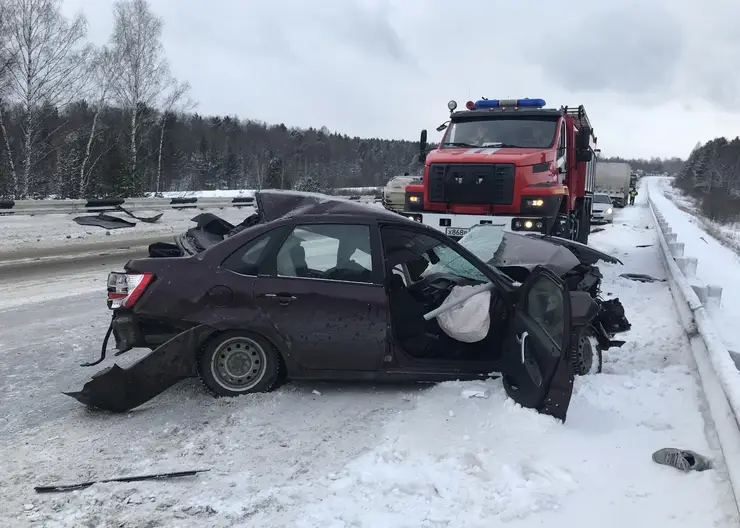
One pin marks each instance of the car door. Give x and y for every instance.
(535, 368)
(330, 314)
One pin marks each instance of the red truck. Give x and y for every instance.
(508, 162)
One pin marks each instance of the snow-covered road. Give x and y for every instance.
(338, 455)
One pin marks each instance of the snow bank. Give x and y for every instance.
(718, 264)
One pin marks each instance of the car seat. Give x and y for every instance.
(298, 258)
(407, 319)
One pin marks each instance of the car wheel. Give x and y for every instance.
(238, 362)
(585, 353)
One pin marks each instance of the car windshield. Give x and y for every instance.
(602, 198)
(509, 131)
(482, 241)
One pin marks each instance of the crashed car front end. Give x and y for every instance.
(517, 255)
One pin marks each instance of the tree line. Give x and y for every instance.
(82, 121)
(712, 175)
(653, 165)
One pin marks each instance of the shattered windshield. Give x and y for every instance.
(501, 131)
(482, 241)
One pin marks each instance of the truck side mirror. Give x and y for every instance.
(584, 155)
(423, 146)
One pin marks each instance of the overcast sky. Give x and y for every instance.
(655, 76)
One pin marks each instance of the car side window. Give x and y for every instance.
(545, 305)
(327, 251)
(246, 259)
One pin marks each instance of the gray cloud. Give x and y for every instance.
(386, 68)
(622, 49)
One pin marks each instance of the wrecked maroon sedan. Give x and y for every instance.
(318, 287)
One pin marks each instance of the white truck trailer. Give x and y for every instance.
(613, 178)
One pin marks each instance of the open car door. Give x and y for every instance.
(535, 369)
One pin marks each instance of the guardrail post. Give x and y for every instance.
(714, 294)
(687, 265)
(701, 292)
(676, 248)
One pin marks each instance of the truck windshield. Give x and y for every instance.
(501, 131)
(602, 198)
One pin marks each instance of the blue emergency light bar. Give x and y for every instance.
(506, 103)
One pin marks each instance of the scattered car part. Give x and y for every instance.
(57, 488)
(104, 220)
(641, 277)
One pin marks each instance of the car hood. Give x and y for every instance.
(585, 254)
(504, 249)
(600, 206)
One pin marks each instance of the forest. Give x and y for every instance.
(711, 174)
(81, 121)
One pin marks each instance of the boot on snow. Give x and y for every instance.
(682, 459)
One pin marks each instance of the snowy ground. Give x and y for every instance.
(338, 455)
(718, 263)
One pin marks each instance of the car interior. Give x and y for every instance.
(417, 287)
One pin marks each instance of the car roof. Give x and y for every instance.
(275, 204)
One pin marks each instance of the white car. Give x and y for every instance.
(602, 210)
(394, 193)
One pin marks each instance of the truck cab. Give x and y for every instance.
(511, 163)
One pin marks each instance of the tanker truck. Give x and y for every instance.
(613, 178)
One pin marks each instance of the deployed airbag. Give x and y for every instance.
(469, 321)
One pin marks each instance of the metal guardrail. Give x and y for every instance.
(720, 378)
(46, 207)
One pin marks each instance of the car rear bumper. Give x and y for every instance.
(130, 331)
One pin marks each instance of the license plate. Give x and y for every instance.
(456, 231)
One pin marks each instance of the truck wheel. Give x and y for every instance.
(585, 353)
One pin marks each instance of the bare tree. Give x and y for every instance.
(105, 75)
(7, 56)
(49, 70)
(145, 75)
(175, 100)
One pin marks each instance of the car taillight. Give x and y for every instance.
(124, 289)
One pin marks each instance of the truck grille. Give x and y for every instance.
(472, 183)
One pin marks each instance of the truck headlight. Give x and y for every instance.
(535, 202)
(413, 199)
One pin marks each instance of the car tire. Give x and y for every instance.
(238, 362)
(585, 353)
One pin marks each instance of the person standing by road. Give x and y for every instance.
(633, 193)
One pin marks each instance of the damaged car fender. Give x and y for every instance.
(122, 389)
(583, 308)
